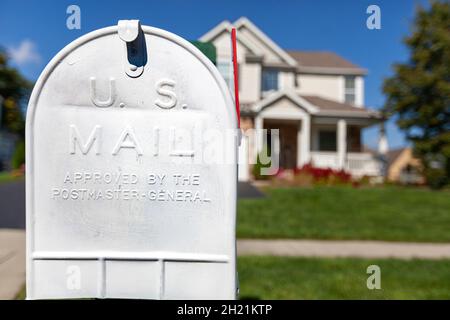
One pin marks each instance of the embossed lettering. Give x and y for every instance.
(173, 149)
(112, 94)
(75, 139)
(172, 97)
(128, 140)
(156, 141)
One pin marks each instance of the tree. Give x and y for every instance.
(419, 92)
(14, 88)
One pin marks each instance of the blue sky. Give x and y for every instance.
(34, 31)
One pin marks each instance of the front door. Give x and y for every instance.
(288, 141)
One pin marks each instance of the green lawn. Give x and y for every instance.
(311, 278)
(382, 213)
(314, 278)
(7, 177)
(22, 294)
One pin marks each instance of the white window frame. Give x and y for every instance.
(350, 91)
(277, 72)
(226, 71)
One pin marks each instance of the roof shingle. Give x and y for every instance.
(327, 106)
(328, 61)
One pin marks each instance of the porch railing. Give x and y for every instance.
(323, 159)
(361, 164)
(358, 164)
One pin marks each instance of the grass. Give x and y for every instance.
(383, 213)
(314, 278)
(22, 294)
(7, 177)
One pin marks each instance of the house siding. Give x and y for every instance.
(250, 82)
(286, 80)
(326, 86)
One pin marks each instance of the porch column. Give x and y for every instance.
(383, 146)
(259, 134)
(341, 143)
(303, 141)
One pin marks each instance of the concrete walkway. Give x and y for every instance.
(332, 248)
(12, 253)
(12, 262)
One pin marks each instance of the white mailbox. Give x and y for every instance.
(121, 202)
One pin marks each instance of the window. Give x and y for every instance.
(349, 90)
(327, 140)
(226, 70)
(269, 79)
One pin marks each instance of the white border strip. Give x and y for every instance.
(145, 256)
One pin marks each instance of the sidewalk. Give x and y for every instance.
(333, 249)
(12, 262)
(12, 253)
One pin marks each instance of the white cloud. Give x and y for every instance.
(25, 53)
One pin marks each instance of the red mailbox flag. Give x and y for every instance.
(236, 75)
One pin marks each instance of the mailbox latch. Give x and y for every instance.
(130, 32)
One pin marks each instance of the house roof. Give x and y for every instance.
(315, 62)
(226, 26)
(244, 23)
(314, 105)
(370, 150)
(331, 107)
(324, 62)
(393, 154)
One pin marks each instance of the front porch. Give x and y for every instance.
(336, 146)
(308, 136)
(336, 143)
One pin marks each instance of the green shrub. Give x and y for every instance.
(259, 165)
(18, 158)
(436, 178)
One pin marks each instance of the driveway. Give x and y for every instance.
(247, 190)
(12, 205)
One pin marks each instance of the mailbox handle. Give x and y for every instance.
(130, 32)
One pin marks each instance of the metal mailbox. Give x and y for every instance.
(120, 202)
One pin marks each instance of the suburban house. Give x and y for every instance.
(403, 167)
(315, 99)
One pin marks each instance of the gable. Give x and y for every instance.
(271, 51)
(274, 98)
(269, 55)
(253, 39)
(284, 108)
(222, 42)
